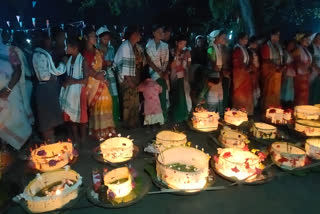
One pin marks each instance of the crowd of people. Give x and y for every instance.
(92, 86)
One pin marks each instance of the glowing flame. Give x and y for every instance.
(58, 192)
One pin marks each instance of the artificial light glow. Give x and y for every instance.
(205, 121)
(230, 36)
(193, 175)
(34, 3)
(112, 181)
(234, 162)
(117, 149)
(28, 40)
(58, 192)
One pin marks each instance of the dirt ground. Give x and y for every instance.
(286, 194)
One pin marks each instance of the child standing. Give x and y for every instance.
(212, 94)
(152, 107)
(73, 99)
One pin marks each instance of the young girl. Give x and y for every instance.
(212, 94)
(73, 98)
(152, 107)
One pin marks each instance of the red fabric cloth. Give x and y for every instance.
(301, 80)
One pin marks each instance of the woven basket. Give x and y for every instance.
(38, 204)
(180, 179)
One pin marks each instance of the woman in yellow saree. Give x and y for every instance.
(101, 122)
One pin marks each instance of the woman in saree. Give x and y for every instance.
(303, 62)
(271, 71)
(179, 67)
(157, 55)
(99, 99)
(315, 83)
(15, 113)
(242, 79)
(129, 60)
(108, 52)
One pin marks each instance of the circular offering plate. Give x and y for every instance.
(263, 178)
(98, 156)
(142, 188)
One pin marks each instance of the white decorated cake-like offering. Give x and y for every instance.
(233, 139)
(235, 117)
(52, 156)
(288, 156)
(307, 112)
(119, 182)
(234, 162)
(308, 127)
(51, 190)
(183, 168)
(312, 147)
(278, 116)
(205, 121)
(167, 139)
(117, 149)
(264, 131)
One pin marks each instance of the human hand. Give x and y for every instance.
(99, 76)
(4, 94)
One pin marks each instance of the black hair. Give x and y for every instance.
(88, 30)
(107, 33)
(222, 32)
(131, 30)
(287, 42)
(181, 37)
(19, 39)
(39, 39)
(145, 73)
(167, 29)
(242, 35)
(55, 32)
(253, 39)
(74, 42)
(156, 27)
(214, 80)
(274, 31)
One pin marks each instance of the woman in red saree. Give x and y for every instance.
(271, 71)
(242, 79)
(302, 61)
